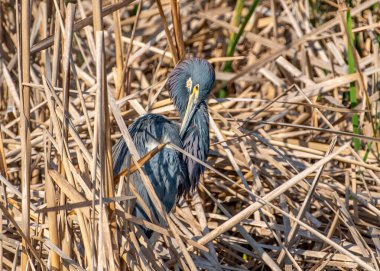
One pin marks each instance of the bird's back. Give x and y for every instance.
(166, 169)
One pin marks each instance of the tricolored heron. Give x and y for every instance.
(171, 173)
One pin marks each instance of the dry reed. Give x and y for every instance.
(293, 175)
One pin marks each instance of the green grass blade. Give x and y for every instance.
(352, 69)
(234, 39)
(235, 22)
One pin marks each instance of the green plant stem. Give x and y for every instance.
(352, 69)
(242, 27)
(234, 39)
(235, 22)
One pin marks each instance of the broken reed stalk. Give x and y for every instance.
(269, 197)
(50, 194)
(94, 262)
(47, 42)
(244, 165)
(167, 32)
(295, 44)
(52, 216)
(141, 161)
(177, 26)
(67, 46)
(119, 57)
(126, 70)
(293, 232)
(52, 68)
(3, 172)
(106, 166)
(25, 125)
(264, 255)
(67, 34)
(102, 237)
(66, 246)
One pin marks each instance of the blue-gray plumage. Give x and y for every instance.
(171, 173)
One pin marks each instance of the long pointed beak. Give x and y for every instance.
(190, 110)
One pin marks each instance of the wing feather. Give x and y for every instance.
(166, 170)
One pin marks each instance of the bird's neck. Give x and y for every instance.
(196, 142)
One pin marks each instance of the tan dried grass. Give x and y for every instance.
(283, 188)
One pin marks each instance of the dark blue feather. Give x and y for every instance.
(196, 142)
(172, 174)
(166, 170)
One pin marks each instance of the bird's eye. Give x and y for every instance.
(189, 84)
(196, 87)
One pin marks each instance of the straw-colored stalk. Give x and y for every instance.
(119, 53)
(177, 26)
(269, 197)
(111, 238)
(67, 245)
(126, 70)
(25, 128)
(167, 32)
(269, 171)
(51, 196)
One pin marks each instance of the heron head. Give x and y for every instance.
(190, 84)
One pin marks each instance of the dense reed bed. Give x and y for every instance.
(293, 176)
